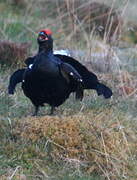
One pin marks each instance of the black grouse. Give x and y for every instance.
(48, 80)
(90, 80)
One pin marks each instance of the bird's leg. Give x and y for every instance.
(36, 110)
(52, 110)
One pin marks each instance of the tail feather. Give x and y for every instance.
(103, 90)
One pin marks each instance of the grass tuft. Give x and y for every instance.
(96, 143)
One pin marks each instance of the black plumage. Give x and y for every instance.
(90, 80)
(66, 72)
(15, 78)
(48, 80)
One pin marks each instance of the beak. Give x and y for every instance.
(42, 38)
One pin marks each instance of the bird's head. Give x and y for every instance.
(44, 38)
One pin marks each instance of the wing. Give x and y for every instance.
(69, 73)
(88, 77)
(15, 78)
(90, 80)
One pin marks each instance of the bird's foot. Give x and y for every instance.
(36, 111)
(52, 111)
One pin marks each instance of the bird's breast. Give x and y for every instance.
(48, 68)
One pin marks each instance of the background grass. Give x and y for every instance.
(95, 139)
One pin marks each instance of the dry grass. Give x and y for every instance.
(98, 142)
(88, 16)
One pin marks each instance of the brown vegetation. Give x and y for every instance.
(96, 142)
(12, 53)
